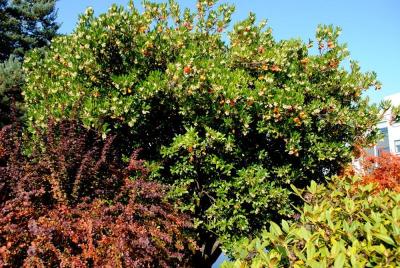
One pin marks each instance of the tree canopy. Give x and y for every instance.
(229, 119)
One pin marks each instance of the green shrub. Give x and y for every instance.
(340, 225)
(230, 125)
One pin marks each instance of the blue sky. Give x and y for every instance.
(371, 28)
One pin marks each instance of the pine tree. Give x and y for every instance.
(11, 81)
(24, 24)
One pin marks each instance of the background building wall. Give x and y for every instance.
(391, 141)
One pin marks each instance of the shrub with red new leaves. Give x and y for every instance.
(69, 163)
(383, 170)
(72, 204)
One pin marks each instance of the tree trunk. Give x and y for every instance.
(209, 252)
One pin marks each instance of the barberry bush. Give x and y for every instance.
(229, 119)
(343, 224)
(382, 170)
(72, 203)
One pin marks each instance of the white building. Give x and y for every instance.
(391, 131)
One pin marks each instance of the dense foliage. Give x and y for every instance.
(229, 125)
(72, 204)
(340, 225)
(11, 82)
(383, 170)
(24, 24)
(74, 163)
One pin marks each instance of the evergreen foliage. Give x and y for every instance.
(24, 24)
(229, 125)
(343, 224)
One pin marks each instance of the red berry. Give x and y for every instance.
(187, 70)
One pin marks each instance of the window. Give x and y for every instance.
(383, 144)
(397, 146)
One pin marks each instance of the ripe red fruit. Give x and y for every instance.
(297, 121)
(334, 63)
(187, 69)
(304, 61)
(188, 25)
(275, 68)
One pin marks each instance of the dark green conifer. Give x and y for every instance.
(24, 24)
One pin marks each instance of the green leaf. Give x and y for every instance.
(285, 226)
(275, 229)
(339, 261)
(387, 239)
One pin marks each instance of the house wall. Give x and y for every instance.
(393, 130)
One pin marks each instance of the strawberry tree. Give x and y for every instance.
(229, 119)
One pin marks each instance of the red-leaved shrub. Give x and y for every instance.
(72, 204)
(383, 170)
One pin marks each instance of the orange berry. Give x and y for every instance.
(250, 102)
(188, 25)
(304, 61)
(142, 29)
(145, 52)
(187, 69)
(275, 68)
(333, 63)
(297, 121)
